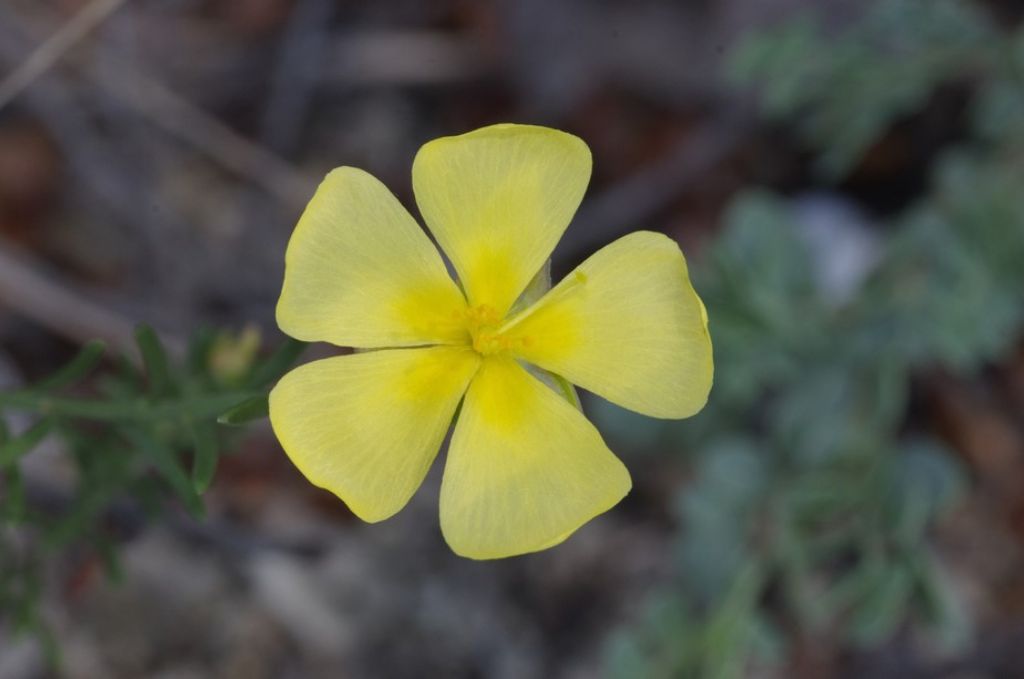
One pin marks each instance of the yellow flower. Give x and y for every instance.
(525, 468)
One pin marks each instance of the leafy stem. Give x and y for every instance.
(126, 410)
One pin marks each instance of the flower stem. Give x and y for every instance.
(130, 410)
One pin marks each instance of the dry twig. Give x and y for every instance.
(30, 293)
(57, 45)
(628, 204)
(180, 118)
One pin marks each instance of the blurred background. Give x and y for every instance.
(844, 177)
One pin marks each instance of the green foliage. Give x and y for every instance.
(812, 499)
(846, 90)
(145, 437)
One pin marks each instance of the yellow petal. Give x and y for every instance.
(525, 469)
(367, 426)
(626, 325)
(360, 272)
(498, 199)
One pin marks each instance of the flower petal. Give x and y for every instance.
(525, 469)
(498, 200)
(626, 325)
(360, 272)
(367, 426)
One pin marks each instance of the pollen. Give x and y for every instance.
(489, 344)
(482, 324)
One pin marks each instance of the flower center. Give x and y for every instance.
(483, 323)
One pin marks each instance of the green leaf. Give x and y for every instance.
(845, 89)
(204, 438)
(924, 481)
(567, 390)
(76, 368)
(276, 364)
(729, 632)
(13, 508)
(535, 289)
(884, 605)
(167, 464)
(199, 350)
(23, 443)
(155, 360)
(940, 604)
(558, 384)
(852, 586)
(93, 496)
(251, 409)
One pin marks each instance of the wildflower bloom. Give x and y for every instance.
(525, 468)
